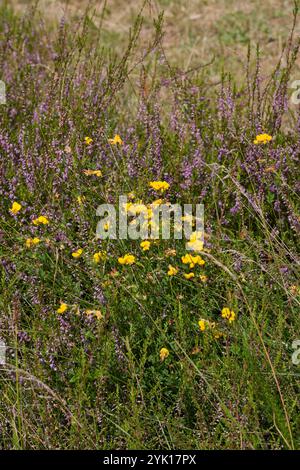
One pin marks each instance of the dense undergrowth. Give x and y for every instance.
(92, 374)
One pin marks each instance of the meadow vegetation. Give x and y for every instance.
(118, 344)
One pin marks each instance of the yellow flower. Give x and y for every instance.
(225, 312)
(96, 313)
(88, 140)
(156, 203)
(131, 196)
(192, 260)
(80, 200)
(152, 224)
(189, 218)
(63, 307)
(203, 278)
(92, 172)
(198, 260)
(188, 259)
(149, 214)
(100, 255)
(127, 259)
(202, 325)
(163, 353)
(196, 236)
(127, 206)
(294, 290)
(32, 241)
(15, 208)
(189, 275)
(172, 271)
(136, 209)
(159, 185)
(41, 220)
(116, 140)
(195, 246)
(232, 316)
(228, 314)
(195, 243)
(145, 245)
(77, 253)
(106, 226)
(262, 139)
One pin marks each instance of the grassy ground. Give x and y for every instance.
(105, 355)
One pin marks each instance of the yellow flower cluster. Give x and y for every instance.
(92, 172)
(127, 259)
(189, 220)
(41, 220)
(15, 208)
(116, 140)
(62, 308)
(189, 275)
(228, 314)
(80, 200)
(145, 245)
(32, 241)
(135, 209)
(206, 324)
(131, 196)
(88, 140)
(100, 256)
(172, 271)
(95, 313)
(77, 253)
(163, 354)
(157, 202)
(195, 243)
(262, 139)
(159, 186)
(192, 260)
(294, 290)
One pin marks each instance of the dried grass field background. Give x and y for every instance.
(195, 32)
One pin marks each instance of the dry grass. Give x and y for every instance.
(195, 31)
